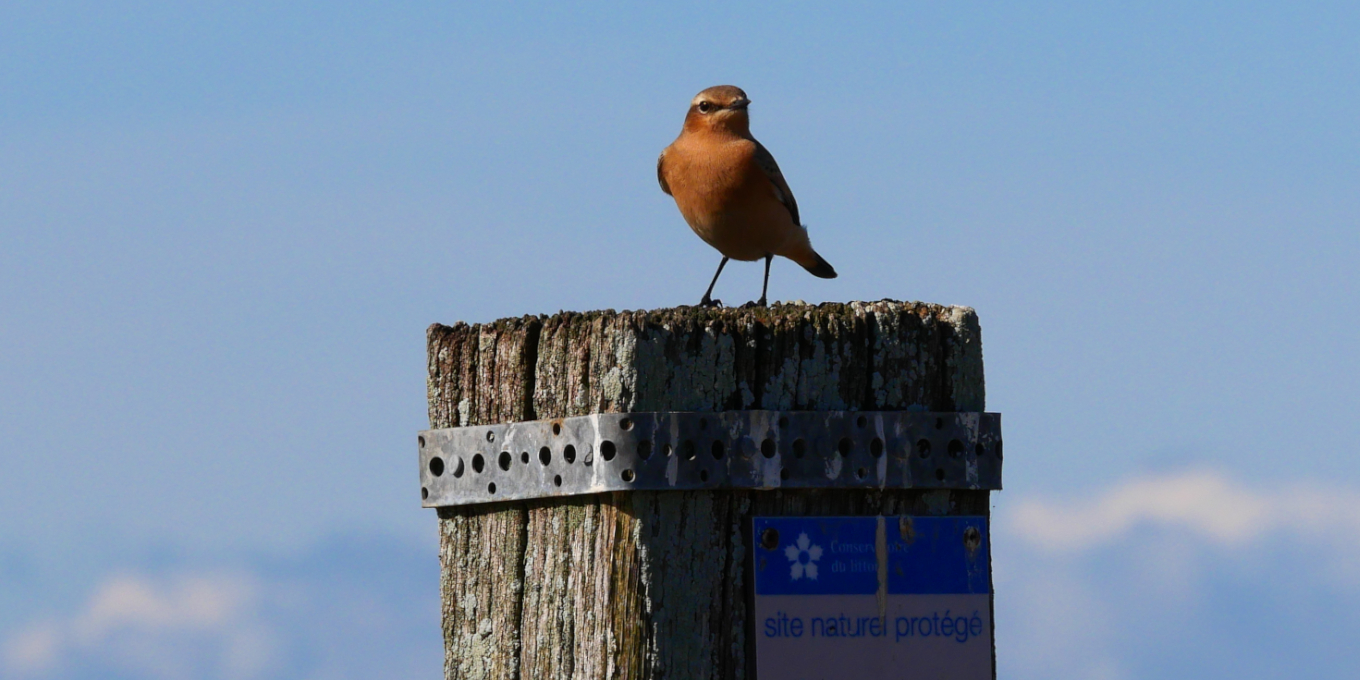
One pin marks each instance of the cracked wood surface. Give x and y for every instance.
(652, 584)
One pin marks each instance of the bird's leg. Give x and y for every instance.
(708, 301)
(765, 286)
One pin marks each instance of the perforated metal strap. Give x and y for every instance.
(676, 451)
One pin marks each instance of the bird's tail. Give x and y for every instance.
(801, 252)
(821, 269)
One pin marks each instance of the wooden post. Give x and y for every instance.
(652, 584)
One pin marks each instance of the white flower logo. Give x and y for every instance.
(803, 557)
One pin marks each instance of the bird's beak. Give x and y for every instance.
(739, 105)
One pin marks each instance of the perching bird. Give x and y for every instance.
(730, 190)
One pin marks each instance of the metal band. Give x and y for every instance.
(681, 451)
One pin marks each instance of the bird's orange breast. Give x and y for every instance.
(725, 196)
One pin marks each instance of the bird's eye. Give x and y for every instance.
(704, 107)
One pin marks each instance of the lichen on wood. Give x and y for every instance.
(651, 584)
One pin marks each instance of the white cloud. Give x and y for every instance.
(34, 649)
(1172, 562)
(1203, 502)
(351, 608)
(185, 626)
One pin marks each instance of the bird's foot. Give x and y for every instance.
(710, 302)
(755, 304)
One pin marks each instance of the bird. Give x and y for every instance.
(730, 190)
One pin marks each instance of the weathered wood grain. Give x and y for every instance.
(651, 584)
(482, 374)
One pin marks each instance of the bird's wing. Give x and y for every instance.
(781, 188)
(661, 175)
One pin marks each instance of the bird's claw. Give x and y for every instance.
(710, 302)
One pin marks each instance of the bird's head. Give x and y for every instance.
(722, 107)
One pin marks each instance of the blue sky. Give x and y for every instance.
(225, 226)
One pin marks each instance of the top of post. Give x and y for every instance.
(885, 355)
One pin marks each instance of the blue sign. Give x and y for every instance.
(883, 597)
